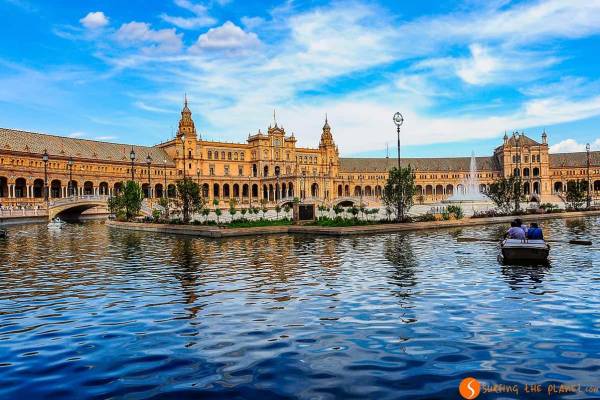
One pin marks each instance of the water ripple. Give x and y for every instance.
(100, 313)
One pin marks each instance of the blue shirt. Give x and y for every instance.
(535, 234)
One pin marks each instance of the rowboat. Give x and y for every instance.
(56, 223)
(523, 251)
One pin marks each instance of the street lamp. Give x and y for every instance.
(589, 197)
(278, 192)
(250, 190)
(70, 164)
(303, 184)
(149, 163)
(132, 158)
(399, 120)
(45, 158)
(165, 175)
(361, 190)
(183, 154)
(518, 162)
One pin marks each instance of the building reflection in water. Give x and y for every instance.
(188, 260)
(398, 250)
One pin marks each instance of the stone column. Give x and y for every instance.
(11, 193)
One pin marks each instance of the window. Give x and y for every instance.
(211, 170)
(229, 156)
(210, 155)
(235, 156)
(227, 170)
(242, 156)
(216, 155)
(222, 155)
(240, 170)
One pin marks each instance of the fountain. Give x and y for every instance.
(470, 188)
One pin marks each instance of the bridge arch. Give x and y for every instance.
(73, 207)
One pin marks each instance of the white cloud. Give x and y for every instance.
(252, 22)
(143, 106)
(200, 18)
(226, 37)
(76, 134)
(140, 33)
(320, 49)
(478, 67)
(94, 20)
(104, 138)
(571, 146)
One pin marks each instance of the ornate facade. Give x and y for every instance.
(268, 167)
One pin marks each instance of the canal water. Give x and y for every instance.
(96, 312)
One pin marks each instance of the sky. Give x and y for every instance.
(462, 73)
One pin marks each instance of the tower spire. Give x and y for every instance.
(274, 119)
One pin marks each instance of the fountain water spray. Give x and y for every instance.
(470, 187)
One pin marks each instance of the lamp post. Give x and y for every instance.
(45, 157)
(250, 190)
(165, 176)
(278, 192)
(361, 189)
(518, 161)
(303, 184)
(70, 164)
(132, 158)
(399, 120)
(149, 163)
(589, 197)
(183, 154)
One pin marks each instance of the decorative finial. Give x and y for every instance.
(185, 98)
(274, 119)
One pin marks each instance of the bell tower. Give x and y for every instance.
(186, 123)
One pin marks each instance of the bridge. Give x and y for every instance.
(75, 205)
(346, 201)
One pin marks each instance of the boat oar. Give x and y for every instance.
(572, 241)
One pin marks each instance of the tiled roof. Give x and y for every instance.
(421, 164)
(559, 160)
(23, 141)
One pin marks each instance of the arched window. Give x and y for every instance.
(536, 171)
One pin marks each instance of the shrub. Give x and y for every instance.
(455, 210)
(427, 217)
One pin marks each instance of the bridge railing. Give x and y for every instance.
(77, 199)
(23, 212)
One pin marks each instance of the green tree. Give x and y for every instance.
(287, 209)
(205, 212)
(218, 213)
(400, 190)
(244, 211)
(128, 201)
(189, 199)
(576, 194)
(277, 210)
(337, 210)
(165, 203)
(505, 193)
(232, 209)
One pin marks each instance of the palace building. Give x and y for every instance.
(268, 167)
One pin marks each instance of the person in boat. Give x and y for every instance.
(515, 231)
(520, 223)
(535, 232)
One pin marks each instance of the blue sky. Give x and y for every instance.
(461, 72)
